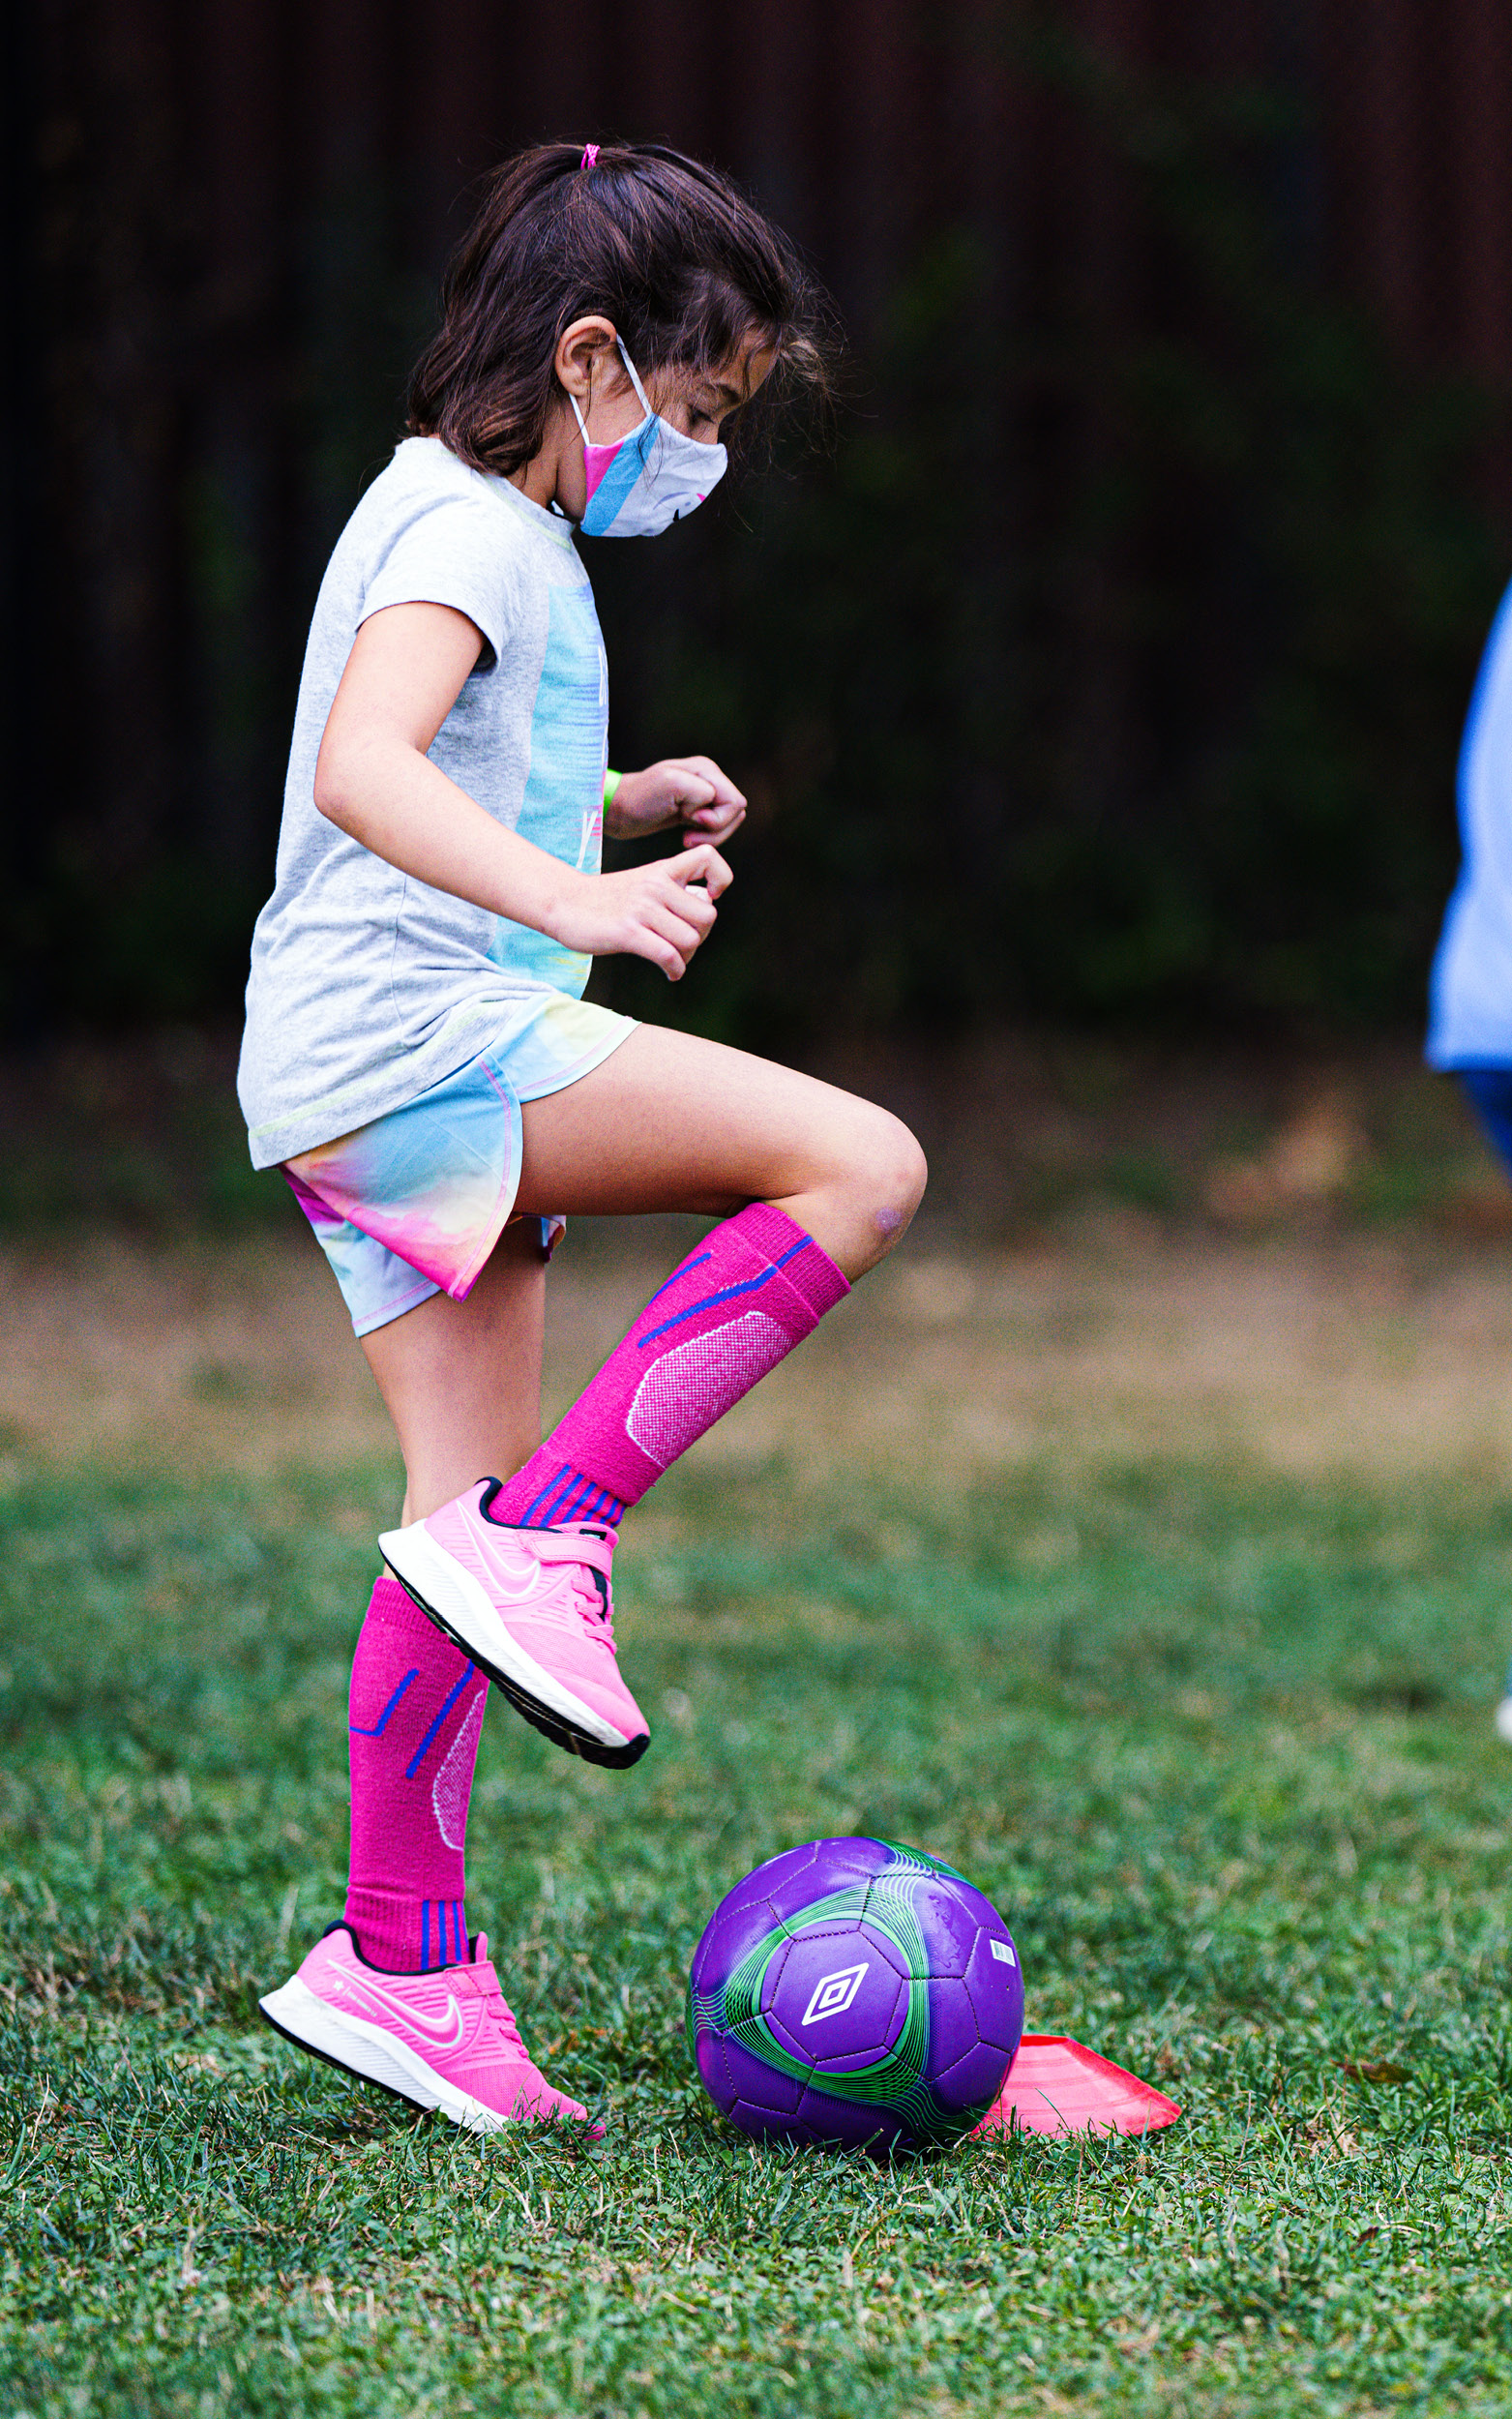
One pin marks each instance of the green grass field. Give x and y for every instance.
(1218, 1746)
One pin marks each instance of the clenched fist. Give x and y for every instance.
(652, 912)
(686, 790)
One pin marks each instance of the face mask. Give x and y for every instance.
(638, 486)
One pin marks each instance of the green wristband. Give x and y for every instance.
(611, 782)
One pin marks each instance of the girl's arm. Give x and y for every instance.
(374, 781)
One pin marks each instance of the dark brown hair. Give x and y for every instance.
(669, 251)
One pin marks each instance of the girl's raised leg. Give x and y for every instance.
(672, 1122)
(819, 1186)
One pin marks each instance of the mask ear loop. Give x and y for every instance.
(640, 398)
(641, 393)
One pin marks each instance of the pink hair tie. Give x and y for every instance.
(590, 155)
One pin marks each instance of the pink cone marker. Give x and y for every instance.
(1057, 2086)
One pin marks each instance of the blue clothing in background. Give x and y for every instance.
(1470, 1019)
(1490, 1089)
(1470, 1029)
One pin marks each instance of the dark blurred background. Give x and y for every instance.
(1107, 666)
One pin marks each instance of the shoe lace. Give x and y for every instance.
(590, 1600)
(592, 1607)
(503, 2015)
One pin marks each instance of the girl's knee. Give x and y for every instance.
(908, 1173)
(888, 1173)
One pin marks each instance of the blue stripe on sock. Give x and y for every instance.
(727, 1292)
(571, 1481)
(569, 1494)
(419, 1756)
(530, 1521)
(565, 1494)
(578, 1509)
(424, 1935)
(686, 1269)
(382, 1722)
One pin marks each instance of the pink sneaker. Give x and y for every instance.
(445, 2039)
(532, 1608)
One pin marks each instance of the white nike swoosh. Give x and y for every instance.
(517, 1581)
(516, 1587)
(447, 2035)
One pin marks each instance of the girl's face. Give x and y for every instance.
(589, 366)
(698, 406)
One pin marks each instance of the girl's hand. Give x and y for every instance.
(648, 911)
(687, 789)
(376, 782)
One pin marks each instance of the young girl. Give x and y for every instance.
(421, 1062)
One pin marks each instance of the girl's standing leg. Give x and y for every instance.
(417, 1702)
(431, 2022)
(462, 1380)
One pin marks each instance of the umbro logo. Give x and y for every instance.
(833, 1993)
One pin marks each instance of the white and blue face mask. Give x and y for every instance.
(638, 486)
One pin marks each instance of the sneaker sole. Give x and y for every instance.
(459, 1605)
(357, 2048)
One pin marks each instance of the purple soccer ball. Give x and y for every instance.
(854, 1992)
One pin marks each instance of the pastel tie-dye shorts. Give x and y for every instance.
(413, 1204)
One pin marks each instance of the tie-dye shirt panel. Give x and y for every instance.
(562, 810)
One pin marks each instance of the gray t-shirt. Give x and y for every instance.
(367, 986)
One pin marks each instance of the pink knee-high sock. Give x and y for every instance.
(416, 1711)
(738, 1304)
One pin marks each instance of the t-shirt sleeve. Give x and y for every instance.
(449, 549)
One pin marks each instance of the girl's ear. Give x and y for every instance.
(584, 352)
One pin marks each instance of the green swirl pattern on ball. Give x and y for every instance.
(893, 2080)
